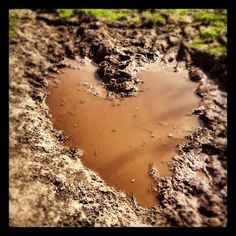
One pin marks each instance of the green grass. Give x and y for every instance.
(213, 33)
(212, 27)
(14, 17)
(210, 18)
(209, 33)
(174, 11)
(113, 15)
(12, 26)
(65, 13)
(214, 48)
(198, 43)
(218, 50)
(110, 15)
(155, 17)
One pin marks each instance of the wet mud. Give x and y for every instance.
(122, 138)
(50, 185)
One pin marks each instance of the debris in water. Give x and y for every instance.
(80, 152)
(153, 172)
(134, 201)
(122, 194)
(52, 76)
(155, 189)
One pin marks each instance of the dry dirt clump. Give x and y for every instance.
(49, 186)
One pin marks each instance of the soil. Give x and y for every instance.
(49, 185)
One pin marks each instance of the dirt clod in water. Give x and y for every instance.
(48, 183)
(121, 141)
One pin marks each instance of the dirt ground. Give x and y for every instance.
(49, 186)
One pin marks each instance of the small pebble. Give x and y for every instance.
(155, 189)
(52, 76)
(133, 180)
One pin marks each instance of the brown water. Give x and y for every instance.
(122, 138)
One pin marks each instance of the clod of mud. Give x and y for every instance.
(195, 74)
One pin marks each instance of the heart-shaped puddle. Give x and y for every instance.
(121, 139)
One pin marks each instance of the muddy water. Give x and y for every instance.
(121, 138)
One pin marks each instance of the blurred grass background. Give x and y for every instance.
(206, 29)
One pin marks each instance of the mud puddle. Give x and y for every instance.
(121, 139)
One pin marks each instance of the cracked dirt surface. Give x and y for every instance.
(49, 186)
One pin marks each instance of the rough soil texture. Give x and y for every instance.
(49, 186)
